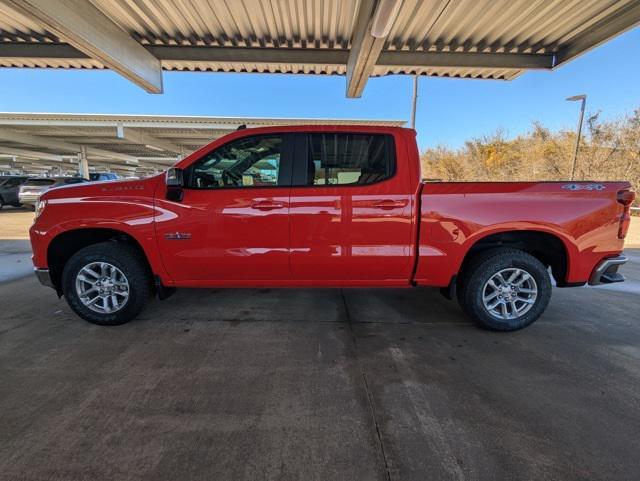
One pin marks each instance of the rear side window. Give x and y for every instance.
(40, 182)
(349, 159)
(13, 182)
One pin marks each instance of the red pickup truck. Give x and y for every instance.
(326, 206)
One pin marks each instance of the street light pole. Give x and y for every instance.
(583, 98)
(414, 101)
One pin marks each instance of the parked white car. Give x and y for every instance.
(31, 190)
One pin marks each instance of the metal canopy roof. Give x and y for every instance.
(495, 39)
(137, 145)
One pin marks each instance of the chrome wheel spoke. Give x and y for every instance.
(527, 291)
(494, 305)
(514, 276)
(514, 309)
(488, 297)
(87, 292)
(87, 280)
(91, 302)
(527, 301)
(92, 273)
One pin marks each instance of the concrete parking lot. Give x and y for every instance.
(326, 384)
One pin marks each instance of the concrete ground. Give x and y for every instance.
(319, 385)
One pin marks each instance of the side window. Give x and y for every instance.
(349, 159)
(246, 162)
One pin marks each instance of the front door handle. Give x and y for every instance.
(388, 204)
(267, 205)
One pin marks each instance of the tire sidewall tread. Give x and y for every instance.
(125, 258)
(486, 265)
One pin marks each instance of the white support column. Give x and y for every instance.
(83, 166)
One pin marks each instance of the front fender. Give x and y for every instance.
(132, 216)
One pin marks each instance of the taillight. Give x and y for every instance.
(626, 198)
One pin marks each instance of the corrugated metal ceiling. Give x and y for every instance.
(497, 26)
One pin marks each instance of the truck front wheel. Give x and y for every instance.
(504, 289)
(106, 283)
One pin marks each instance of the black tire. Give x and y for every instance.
(124, 257)
(1, 203)
(483, 267)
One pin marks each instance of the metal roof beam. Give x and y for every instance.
(138, 137)
(84, 26)
(31, 154)
(300, 56)
(365, 49)
(621, 21)
(466, 60)
(308, 56)
(28, 139)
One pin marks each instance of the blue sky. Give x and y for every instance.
(450, 111)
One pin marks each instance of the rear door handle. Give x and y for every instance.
(267, 205)
(389, 204)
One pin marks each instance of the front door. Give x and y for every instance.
(232, 225)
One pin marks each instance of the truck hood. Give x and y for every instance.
(114, 188)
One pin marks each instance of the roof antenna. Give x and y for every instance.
(242, 127)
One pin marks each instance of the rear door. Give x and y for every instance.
(232, 225)
(351, 209)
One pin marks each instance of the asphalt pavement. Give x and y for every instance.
(319, 385)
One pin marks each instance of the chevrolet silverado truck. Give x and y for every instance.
(326, 206)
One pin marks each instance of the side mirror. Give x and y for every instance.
(175, 183)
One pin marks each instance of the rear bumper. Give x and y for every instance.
(44, 277)
(606, 272)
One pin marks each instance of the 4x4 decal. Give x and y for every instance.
(584, 187)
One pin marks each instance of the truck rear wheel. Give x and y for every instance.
(106, 283)
(504, 289)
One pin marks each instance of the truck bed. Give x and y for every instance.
(454, 216)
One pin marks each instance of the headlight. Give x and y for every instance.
(40, 207)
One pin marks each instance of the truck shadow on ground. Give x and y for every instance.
(384, 306)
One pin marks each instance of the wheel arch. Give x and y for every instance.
(550, 249)
(64, 245)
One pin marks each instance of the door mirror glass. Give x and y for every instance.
(175, 177)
